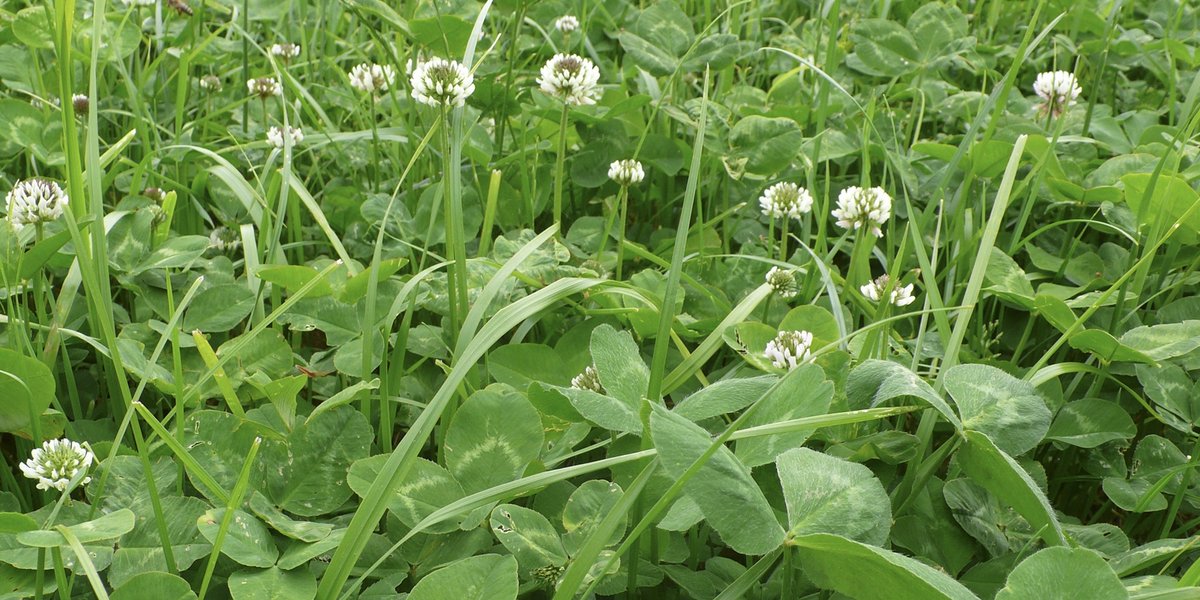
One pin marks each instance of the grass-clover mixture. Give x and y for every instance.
(704, 299)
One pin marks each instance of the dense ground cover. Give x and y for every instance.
(549, 299)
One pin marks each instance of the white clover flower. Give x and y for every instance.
(785, 200)
(224, 239)
(58, 462)
(901, 296)
(264, 87)
(210, 83)
(626, 172)
(80, 104)
(1058, 90)
(35, 201)
(441, 82)
(38, 102)
(566, 24)
(489, 125)
(571, 78)
(790, 349)
(782, 282)
(286, 51)
(275, 136)
(859, 208)
(372, 78)
(139, 2)
(589, 379)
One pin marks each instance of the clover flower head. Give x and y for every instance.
(1057, 89)
(626, 172)
(39, 102)
(211, 83)
(570, 78)
(902, 295)
(589, 379)
(548, 575)
(785, 200)
(782, 282)
(35, 201)
(139, 2)
(80, 104)
(372, 78)
(275, 136)
(57, 463)
(412, 64)
(441, 82)
(790, 349)
(224, 239)
(863, 208)
(264, 87)
(566, 24)
(286, 51)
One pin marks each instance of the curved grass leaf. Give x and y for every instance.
(865, 572)
(992, 468)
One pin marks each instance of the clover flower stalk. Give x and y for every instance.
(373, 79)
(1058, 91)
(625, 173)
(446, 84)
(59, 464)
(789, 349)
(784, 201)
(574, 81)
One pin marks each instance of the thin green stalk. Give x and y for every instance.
(231, 507)
(559, 167)
(368, 347)
(160, 519)
(60, 573)
(489, 213)
(83, 559)
(658, 361)
(456, 246)
(610, 218)
(623, 220)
